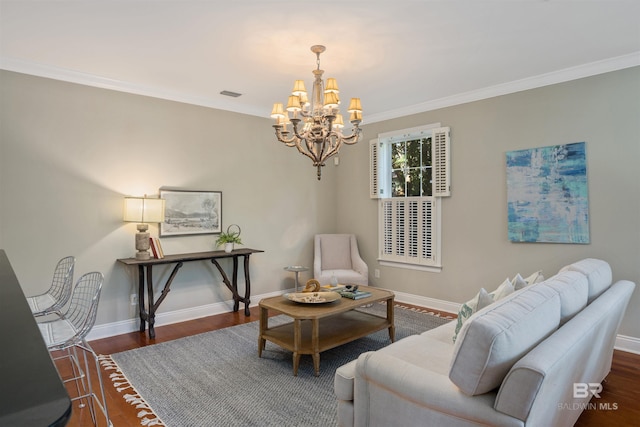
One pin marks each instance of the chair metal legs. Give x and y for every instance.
(82, 378)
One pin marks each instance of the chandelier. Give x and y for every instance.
(319, 136)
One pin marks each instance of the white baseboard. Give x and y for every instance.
(436, 304)
(623, 342)
(628, 344)
(132, 325)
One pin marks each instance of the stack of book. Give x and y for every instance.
(357, 294)
(156, 247)
(336, 288)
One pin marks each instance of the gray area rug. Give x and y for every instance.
(216, 378)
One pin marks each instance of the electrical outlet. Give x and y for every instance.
(134, 299)
(376, 273)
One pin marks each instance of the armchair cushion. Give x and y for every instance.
(336, 252)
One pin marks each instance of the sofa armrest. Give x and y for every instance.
(385, 384)
(539, 387)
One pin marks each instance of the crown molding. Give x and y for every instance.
(568, 74)
(561, 76)
(72, 76)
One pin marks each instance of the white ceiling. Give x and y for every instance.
(400, 57)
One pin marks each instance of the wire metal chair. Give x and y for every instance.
(58, 294)
(68, 334)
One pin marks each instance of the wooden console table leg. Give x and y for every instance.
(234, 283)
(142, 313)
(247, 286)
(151, 314)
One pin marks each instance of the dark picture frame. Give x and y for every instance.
(191, 212)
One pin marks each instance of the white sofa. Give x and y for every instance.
(514, 363)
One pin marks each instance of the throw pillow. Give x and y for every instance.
(536, 277)
(480, 301)
(503, 290)
(519, 282)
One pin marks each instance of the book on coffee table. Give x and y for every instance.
(336, 288)
(357, 294)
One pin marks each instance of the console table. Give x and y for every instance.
(32, 392)
(146, 266)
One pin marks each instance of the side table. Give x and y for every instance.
(296, 269)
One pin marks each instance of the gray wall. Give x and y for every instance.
(69, 153)
(603, 111)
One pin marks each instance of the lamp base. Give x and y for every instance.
(143, 256)
(142, 245)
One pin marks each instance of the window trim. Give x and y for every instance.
(380, 181)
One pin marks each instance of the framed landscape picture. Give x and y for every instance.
(189, 212)
(547, 194)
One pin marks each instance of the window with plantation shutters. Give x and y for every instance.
(409, 175)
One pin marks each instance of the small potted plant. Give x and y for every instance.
(229, 238)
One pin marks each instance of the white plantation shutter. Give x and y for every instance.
(374, 170)
(407, 231)
(441, 163)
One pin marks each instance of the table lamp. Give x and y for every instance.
(143, 210)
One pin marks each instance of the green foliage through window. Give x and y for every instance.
(411, 168)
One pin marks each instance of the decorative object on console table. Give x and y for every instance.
(143, 210)
(154, 250)
(189, 212)
(159, 247)
(229, 238)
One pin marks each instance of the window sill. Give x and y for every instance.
(419, 267)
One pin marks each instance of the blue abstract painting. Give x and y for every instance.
(547, 194)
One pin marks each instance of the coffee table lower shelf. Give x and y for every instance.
(332, 331)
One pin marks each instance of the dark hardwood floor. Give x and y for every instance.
(621, 393)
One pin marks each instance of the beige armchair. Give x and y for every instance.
(337, 255)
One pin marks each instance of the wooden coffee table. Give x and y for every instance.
(340, 324)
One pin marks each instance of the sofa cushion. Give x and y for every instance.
(598, 274)
(573, 288)
(336, 252)
(428, 350)
(495, 338)
(443, 332)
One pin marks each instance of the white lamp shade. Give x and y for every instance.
(143, 210)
